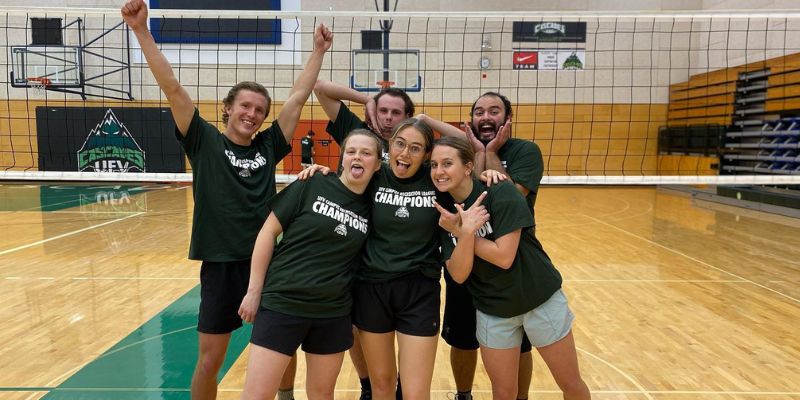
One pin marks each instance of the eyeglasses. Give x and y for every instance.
(413, 149)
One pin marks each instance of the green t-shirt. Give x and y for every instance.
(523, 161)
(404, 238)
(532, 278)
(345, 122)
(231, 185)
(324, 228)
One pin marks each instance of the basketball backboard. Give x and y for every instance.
(62, 68)
(372, 70)
(59, 66)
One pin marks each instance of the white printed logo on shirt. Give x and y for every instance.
(247, 166)
(345, 217)
(482, 232)
(402, 212)
(404, 200)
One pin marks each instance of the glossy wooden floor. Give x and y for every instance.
(674, 299)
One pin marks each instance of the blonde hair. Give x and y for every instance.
(364, 132)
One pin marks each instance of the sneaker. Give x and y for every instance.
(398, 393)
(460, 396)
(366, 394)
(285, 394)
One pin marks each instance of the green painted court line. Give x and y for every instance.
(119, 395)
(156, 361)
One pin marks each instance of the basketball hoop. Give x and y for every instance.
(385, 84)
(39, 83)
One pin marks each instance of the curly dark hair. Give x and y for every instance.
(504, 99)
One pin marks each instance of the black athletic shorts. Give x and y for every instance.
(285, 333)
(222, 288)
(458, 325)
(409, 304)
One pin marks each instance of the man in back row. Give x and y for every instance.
(383, 111)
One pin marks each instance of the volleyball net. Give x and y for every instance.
(609, 99)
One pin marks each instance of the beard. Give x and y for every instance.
(481, 137)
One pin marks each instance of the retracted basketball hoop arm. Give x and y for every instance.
(386, 27)
(375, 66)
(56, 55)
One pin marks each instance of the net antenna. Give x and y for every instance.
(48, 64)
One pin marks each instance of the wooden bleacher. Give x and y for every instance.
(737, 118)
(709, 98)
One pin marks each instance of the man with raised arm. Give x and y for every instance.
(489, 131)
(233, 176)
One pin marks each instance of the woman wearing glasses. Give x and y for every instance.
(397, 291)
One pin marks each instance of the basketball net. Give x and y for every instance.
(385, 84)
(39, 83)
